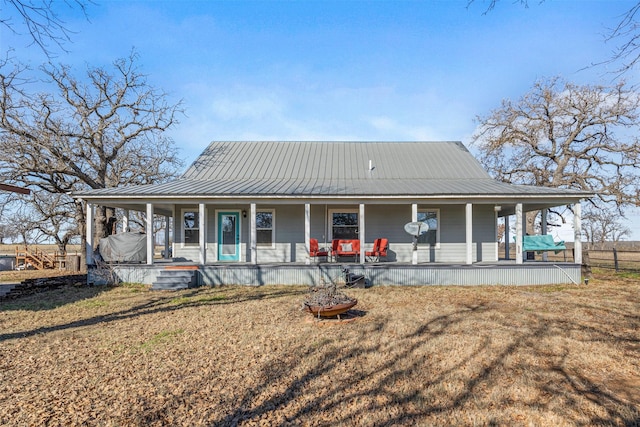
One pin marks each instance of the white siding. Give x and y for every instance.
(289, 235)
(180, 250)
(381, 221)
(484, 233)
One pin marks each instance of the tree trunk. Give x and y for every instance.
(586, 264)
(105, 223)
(62, 248)
(112, 221)
(81, 220)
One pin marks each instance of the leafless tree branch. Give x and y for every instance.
(42, 22)
(567, 136)
(104, 131)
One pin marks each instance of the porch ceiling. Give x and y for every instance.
(510, 209)
(163, 209)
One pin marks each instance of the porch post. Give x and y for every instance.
(361, 233)
(543, 220)
(89, 234)
(149, 231)
(307, 232)
(202, 235)
(495, 221)
(414, 218)
(166, 237)
(125, 221)
(519, 233)
(507, 237)
(253, 235)
(577, 233)
(469, 232)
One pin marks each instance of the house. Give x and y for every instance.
(249, 209)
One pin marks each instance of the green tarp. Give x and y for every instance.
(542, 243)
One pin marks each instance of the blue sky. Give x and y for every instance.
(341, 70)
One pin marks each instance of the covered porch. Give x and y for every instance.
(267, 241)
(216, 232)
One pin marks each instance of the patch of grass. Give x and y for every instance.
(133, 287)
(198, 299)
(93, 303)
(552, 288)
(160, 338)
(628, 275)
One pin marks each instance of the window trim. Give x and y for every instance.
(273, 229)
(437, 212)
(183, 228)
(330, 222)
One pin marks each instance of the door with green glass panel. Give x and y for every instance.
(228, 236)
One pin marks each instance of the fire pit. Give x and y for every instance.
(326, 301)
(330, 310)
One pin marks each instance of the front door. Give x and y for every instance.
(228, 236)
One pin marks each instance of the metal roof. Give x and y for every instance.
(326, 169)
(335, 161)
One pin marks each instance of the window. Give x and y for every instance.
(191, 227)
(344, 225)
(431, 217)
(265, 228)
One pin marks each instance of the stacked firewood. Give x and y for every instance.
(326, 296)
(33, 286)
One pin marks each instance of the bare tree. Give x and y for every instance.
(603, 225)
(7, 205)
(103, 131)
(492, 4)
(567, 136)
(21, 226)
(138, 222)
(626, 34)
(53, 216)
(40, 20)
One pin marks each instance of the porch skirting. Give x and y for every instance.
(501, 273)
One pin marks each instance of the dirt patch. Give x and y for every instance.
(566, 355)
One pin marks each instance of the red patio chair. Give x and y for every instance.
(384, 246)
(314, 250)
(373, 254)
(335, 247)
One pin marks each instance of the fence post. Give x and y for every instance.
(615, 259)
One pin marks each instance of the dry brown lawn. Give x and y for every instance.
(14, 276)
(122, 356)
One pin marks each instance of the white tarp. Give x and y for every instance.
(124, 247)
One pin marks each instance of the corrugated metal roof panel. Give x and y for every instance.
(336, 160)
(418, 169)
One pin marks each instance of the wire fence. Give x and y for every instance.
(607, 257)
(616, 259)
